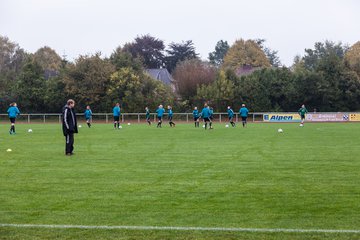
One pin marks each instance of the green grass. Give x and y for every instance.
(304, 178)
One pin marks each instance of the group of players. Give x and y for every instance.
(206, 114)
(69, 121)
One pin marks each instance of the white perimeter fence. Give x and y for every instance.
(188, 117)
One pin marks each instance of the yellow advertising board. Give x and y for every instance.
(281, 117)
(354, 117)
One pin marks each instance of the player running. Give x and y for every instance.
(205, 115)
(116, 114)
(160, 112)
(231, 116)
(88, 115)
(302, 111)
(170, 116)
(13, 112)
(244, 114)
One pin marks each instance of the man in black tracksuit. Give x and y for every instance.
(69, 125)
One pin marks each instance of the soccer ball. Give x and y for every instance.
(203, 126)
(30, 130)
(129, 124)
(8, 150)
(80, 126)
(280, 130)
(120, 126)
(227, 125)
(301, 125)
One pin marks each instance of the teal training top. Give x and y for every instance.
(160, 112)
(13, 112)
(243, 112)
(205, 113)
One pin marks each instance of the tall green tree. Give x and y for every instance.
(48, 59)
(321, 50)
(121, 58)
(272, 55)
(30, 88)
(149, 49)
(352, 58)
(179, 52)
(135, 91)
(87, 80)
(245, 53)
(217, 56)
(12, 60)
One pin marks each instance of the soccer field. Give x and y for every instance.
(140, 182)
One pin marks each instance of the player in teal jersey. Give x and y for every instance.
(170, 116)
(88, 116)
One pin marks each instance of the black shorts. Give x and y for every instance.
(170, 118)
(244, 119)
(196, 118)
(160, 118)
(302, 117)
(148, 118)
(231, 118)
(116, 118)
(207, 120)
(12, 120)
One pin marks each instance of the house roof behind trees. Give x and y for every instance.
(161, 74)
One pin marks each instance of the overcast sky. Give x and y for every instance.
(77, 27)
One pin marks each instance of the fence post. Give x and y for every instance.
(28, 118)
(187, 117)
(138, 117)
(44, 118)
(59, 118)
(106, 118)
(220, 117)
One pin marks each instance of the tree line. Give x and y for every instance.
(326, 77)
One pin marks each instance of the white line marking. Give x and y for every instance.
(215, 229)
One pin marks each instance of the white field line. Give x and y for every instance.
(214, 229)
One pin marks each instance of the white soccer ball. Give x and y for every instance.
(227, 125)
(120, 126)
(30, 130)
(203, 126)
(129, 124)
(8, 150)
(80, 126)
(301, 125)
(280, 130)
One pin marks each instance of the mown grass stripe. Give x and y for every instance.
(172, 228)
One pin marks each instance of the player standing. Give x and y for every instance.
(196, 116)
(116, 114)
(69, 126)
(302, 111)
(13, 112)
(231, 116)
(244, 114)
(88, 115)
(160, 112)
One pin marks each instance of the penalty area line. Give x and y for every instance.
(169, 228)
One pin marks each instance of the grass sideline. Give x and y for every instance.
(304, 178)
